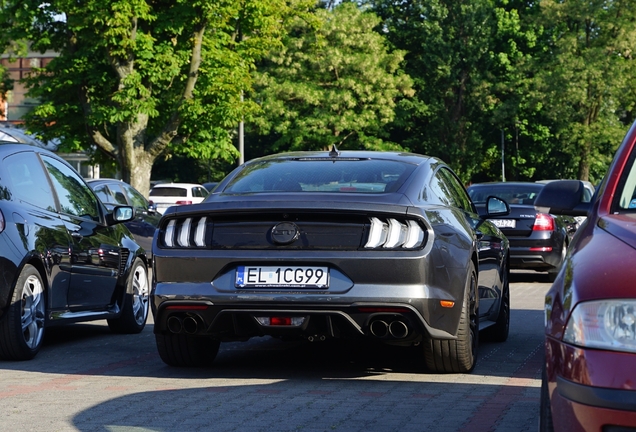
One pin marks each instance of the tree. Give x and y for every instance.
(586, 78)
(331, 82)
(138, 78)
(450, 58)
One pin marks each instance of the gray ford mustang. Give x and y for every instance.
(320, 245)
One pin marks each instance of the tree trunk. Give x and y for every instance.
(136, 163)
(584, 163)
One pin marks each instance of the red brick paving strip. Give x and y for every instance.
(489, 413)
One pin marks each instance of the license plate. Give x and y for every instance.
(282, 277)
(504, 223)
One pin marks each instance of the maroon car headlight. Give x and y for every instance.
(603, 324)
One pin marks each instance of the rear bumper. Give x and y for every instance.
(535, 255)
(392, 314)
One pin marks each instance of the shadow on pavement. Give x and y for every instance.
(90, 349)
(521, 276)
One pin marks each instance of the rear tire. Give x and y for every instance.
(459, 355)
(500, 330)
(184, 350)
(134, 311)
(22, 329)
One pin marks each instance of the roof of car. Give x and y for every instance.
(359, 154)
(12, 147)
(162, 185)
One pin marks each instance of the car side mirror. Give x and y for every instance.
(496, 206)
(562, 197)
(121, 214)
(152, 207)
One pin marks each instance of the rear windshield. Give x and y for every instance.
(321, 175)
(512, 194)
(168, 192)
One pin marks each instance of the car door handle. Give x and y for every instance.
(76, 235)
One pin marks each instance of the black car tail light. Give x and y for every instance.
(393, 234)
(189, 232)
(543, 222)
(2, 223)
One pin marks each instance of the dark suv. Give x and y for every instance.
(63, 257)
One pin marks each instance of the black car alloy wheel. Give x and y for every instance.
(22, 330)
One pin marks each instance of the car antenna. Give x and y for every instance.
(334, 151)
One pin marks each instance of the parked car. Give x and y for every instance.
(538, 241)
(63, 257)
(589, 379)
(320, 245)
(588, 193)
(210, 186)
(113, 192)
(164, 195)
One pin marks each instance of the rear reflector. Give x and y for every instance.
(374, 309)
(541, 249)
(187, 307)
(184, 202)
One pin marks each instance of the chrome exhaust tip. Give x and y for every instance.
(379, 328)
(398, 329)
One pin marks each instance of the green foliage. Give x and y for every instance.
(459, 54)
(332, 82)
(137, 78)
(585, 78)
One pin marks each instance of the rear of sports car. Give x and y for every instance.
(295, 265)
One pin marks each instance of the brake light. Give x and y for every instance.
(543, 222)
(184, 202)
(391, 234)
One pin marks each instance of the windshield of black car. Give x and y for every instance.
(344, 175)
(512, 194)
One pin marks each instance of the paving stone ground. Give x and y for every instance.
(87, 379)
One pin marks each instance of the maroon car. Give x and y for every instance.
(589, 381)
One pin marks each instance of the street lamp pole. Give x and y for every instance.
(240, 137)
(503, 169)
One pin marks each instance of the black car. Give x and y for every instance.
(538, 241)
(321, 245)
(113, 192)
(63, 257)
(210, 186)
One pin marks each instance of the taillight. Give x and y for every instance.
(184, 202)
(543, 222)
(394, 234)
(2, 224)
(189, 232)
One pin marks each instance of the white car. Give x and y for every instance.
(164, 195)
